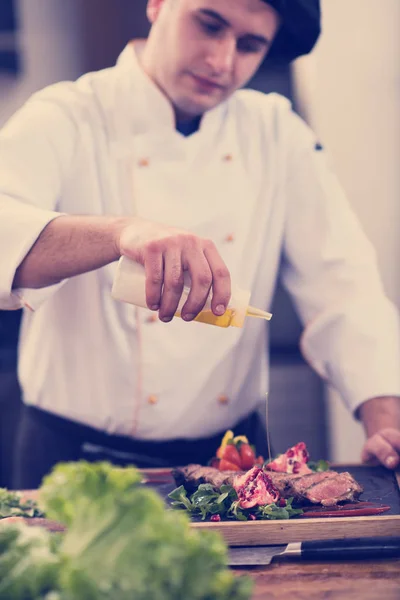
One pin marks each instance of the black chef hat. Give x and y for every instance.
(300, 28)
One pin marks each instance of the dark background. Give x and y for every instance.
(9, 59)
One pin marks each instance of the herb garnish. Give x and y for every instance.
(208, 501)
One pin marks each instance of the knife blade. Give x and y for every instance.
(340, 549)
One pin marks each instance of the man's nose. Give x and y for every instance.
(222, 56)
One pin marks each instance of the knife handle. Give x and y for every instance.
(351, 548)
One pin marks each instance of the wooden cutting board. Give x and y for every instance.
(380, 486)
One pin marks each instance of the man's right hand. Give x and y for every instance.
(166, 253)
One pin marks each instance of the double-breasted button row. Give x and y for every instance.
(144, 161)
(152, 399)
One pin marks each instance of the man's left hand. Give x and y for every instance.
(381, 420)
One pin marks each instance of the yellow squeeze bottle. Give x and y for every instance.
(129, 286)
(230, 317)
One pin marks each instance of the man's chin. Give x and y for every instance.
(198, 107)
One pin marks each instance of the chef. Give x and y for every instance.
(162, 159)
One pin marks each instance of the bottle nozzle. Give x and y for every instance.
(257, 312)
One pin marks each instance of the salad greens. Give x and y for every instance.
(12, 505)
(208, 501)
(316, 466)
(121, 543)
(319, 466)
(29, 563)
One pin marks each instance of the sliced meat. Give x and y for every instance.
(334, 490)
(297, 487)
(327, 488)
(283, 482)
(193, 475)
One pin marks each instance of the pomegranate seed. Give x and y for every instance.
(290, 453)
(216, 518)
(252, 517)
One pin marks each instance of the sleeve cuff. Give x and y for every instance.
(24, 225)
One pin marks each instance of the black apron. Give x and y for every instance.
(44, 439)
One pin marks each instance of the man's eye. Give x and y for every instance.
(247, 47)
(211, 28)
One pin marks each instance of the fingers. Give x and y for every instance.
(166, 258)
(207, 269)
(221, 280)
(173, 283)
(201, 280)
(392, 436)
(383, 447)
(375, 451)
(154, 269)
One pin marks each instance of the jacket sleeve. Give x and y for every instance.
(36, 150)
(351, 329)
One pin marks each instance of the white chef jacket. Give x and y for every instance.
(253, 180)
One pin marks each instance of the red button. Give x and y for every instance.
(144, 162)
(223, 399)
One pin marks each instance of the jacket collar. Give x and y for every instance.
(141, 108)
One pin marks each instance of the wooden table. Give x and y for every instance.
(293, 579)
(296, 580)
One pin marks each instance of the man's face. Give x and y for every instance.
(201, 51)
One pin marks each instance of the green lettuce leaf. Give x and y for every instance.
(71, 488)
(29, 562)
(122, 543)
(319, 466)
(207, 501)
(272, 511)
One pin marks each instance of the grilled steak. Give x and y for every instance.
(332, 490)
(283, 482)
(327, 488)
(297, 487)
(193, 475)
